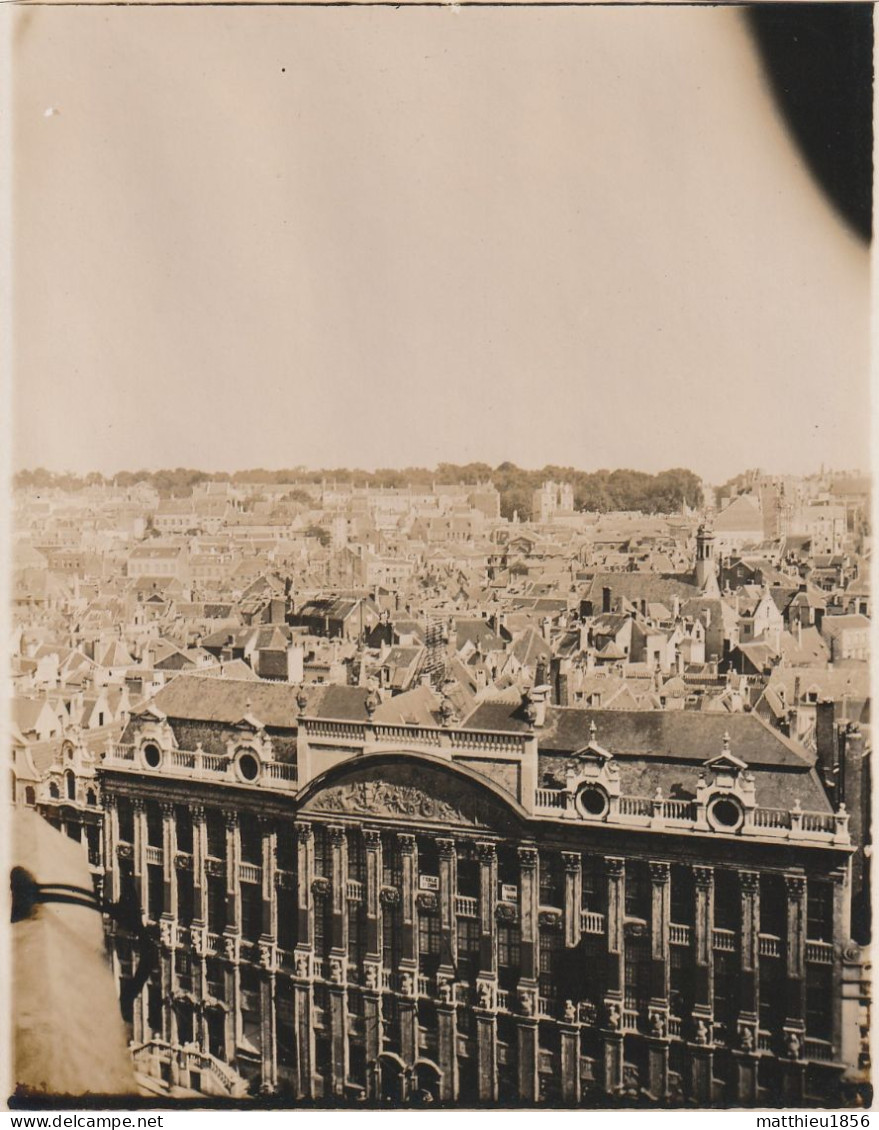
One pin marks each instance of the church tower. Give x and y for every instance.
(706, 570)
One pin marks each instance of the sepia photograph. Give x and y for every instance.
(439, 554)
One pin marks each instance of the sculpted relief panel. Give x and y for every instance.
(406, 792)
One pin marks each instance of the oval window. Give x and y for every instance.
(726, 813)
(152, 755)
(592, 801)
(248, 767)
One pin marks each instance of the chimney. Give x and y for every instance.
(797, 685)
(825, 741)
(854, 793)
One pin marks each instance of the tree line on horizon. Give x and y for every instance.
(662, 493)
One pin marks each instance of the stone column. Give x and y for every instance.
(304, 879)
(337, 992)
(268, 956)
(199, 879)
(302, 990)
(746, 1054)
(615, 871)
(573, 897)
(703, 1008)
(373, 841)
(446, 1032)
(660, 915)
(793, 1079)
(169, 854)
(569, 1056)
(841, 920)
(233, 867)
(268, 1017)
(269, 837)
(448, 886)
(372, 966)
(110, 834)
(409, 950)
(141, 872)
(529, 895)
(487, 908)
(486, 1020)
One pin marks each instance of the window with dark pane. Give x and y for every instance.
(593, 883)
(216, 826)
(819, 1001)
(682, 895)
(356, 855)
(819, 911)
(773, 904)
(639, 890)
(251, 911)
(428, 943)
(155, 831)
(468, 949)
(552, 879)
(727, 900)
(321, 852)
(251, 839)
(183, 822)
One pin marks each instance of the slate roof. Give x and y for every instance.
(207, 699)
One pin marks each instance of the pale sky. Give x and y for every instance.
(377, 237)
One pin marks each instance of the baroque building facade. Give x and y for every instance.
(539, 904)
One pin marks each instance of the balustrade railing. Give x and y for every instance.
(155, 855)
(820, 953)
(591, 922)
(550, 798)
(768, 945)
(466, 906)
(724, 940)
(820, 1050)
(250, 873)
(354, 890)
(636, 806)
(199, 763)
(678, 934)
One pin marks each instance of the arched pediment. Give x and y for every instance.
(412, 788)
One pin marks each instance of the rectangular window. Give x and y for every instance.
(637, 974)
(683, 906)
(216, 834)
(125, 815)
(156, 891)
(773, 905)
(726, 981)
(549, 955)
(552, 881)
(251, 911)
(428, 935)
(321, 852)
(593, 883)
(772, 987)
(819, 1001)
(819, 911)
(390, 937)
(639, 892)
(356, 856)
(468, 948)
(508, 952)
(287, 848)
(727, 900)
